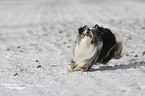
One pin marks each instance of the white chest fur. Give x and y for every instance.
(83, 51)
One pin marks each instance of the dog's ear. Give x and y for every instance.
(96, 26)
(80, 30)
(118, 50)
(85, 26)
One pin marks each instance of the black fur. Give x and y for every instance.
(80, 30)
(109, 44)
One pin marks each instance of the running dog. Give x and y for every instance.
(94, 45)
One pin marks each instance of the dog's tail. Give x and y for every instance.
(118, 51)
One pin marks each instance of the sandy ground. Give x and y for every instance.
(37, 38)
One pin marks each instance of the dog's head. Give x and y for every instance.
(84, 31)
(91, 32)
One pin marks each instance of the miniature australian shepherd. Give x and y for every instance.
(94, 45)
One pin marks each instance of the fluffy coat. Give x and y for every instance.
(94, 45)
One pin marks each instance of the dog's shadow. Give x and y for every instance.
(116, 67)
